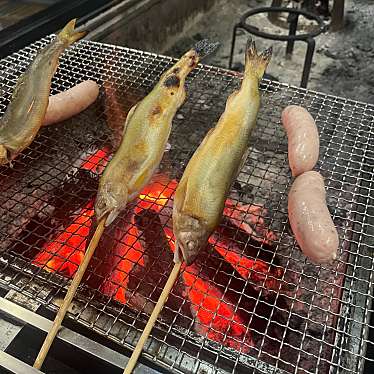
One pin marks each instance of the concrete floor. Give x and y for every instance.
(341, 63)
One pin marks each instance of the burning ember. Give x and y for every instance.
(65, 252)
(215, 317)
(127, 253)
(214, 313)
(255, 269)
(97, 162)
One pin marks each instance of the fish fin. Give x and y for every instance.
(143, 178)
(128, 118)
(242, 162)
(255, 62)
(178, 257)
(180, 194)
(20, 86)
(68, 34)
(205, 47)
(111, 217)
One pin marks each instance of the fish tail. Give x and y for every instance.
(254, 62)
(68, 34)
(205, 47)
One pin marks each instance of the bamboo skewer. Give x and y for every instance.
(152, 319)
(69, 295)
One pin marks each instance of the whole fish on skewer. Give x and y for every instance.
(205, 184)
(146, 131)
(25, 114)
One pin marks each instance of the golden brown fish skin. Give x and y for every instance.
(205, 184)
(146, 131)
(25, 113)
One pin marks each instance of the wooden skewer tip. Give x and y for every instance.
(69, 295)
(152, 319)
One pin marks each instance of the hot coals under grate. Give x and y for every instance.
(251, 300)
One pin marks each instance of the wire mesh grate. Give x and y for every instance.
(251, 300)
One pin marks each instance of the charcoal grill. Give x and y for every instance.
(316, 321)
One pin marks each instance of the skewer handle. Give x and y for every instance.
(69, 295)
(152, 319)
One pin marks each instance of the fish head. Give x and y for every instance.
(110, 201)
(191, 235)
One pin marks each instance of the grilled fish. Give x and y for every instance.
(146, 131)
(25, 113)
(205, 184)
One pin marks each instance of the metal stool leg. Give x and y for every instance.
(293, 19)
(273, 17)
(233, 45)
(337, 15)
(308, 62)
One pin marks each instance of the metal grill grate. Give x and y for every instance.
(288, 315)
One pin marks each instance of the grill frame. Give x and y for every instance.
(15, 271)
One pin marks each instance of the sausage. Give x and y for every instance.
(303, 139)
(310, 218)
(71, 102)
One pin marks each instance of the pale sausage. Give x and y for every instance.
(310, 218)
(303, 139)
(71, 102)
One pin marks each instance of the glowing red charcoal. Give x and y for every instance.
(156, 195)
(128, 253)
(215, 317)
(257, 270)
(66, 251)
(97, 162)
